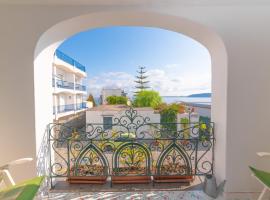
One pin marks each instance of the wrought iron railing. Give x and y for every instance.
(134, 146)
(62, 56)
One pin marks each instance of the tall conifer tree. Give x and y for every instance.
(141, 80)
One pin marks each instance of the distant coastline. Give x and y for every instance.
(201, 95)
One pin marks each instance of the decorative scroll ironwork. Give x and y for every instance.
(174, 161)
(135, 145)
(131, 159)
(89, 162)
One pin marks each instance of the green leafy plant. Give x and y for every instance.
(205, 128)
(147, 98)
(168, 119)
(113, 100)
(91, 99)
(185, 126)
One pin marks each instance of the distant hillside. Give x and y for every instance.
(200, 95)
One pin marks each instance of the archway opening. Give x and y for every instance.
(50, 40)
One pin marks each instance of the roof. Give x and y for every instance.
(117, 108)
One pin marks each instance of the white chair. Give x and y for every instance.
(262, 176)
(5, 175)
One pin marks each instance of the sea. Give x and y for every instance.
(179, 99)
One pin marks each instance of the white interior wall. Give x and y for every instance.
(243, 29)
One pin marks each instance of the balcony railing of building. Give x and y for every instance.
(80, 87)
(62, 56)
(132, 150)
(65, 108)
(62, 84)
(80, 106)
(69, 107)
(68, 85)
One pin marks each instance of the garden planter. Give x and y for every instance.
(88, 175)
(131, 177)
(172, 179)
(87, 179)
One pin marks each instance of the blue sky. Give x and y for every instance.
(176, 64)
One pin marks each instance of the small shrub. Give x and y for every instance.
(147, 99)
(113, 100)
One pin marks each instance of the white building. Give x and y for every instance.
(67, 86)
(116, 118)
(106, 115)
(203, 110)
(106, 92)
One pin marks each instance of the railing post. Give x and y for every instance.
(68, 157)
(196, 155)
(50, 155)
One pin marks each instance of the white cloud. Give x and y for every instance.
(170, 80)
(121, 80)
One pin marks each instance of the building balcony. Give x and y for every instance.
(69, 107)
(60, 55)
(65, 108)
(64, 84)
(80, 106)
(80, 87)
(68, 85)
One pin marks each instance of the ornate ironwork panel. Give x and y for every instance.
(134, 144)
(131, 159)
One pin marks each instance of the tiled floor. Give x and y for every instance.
(151, 195)
(64, 191)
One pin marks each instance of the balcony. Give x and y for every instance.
(68, 85)
(80, 87)
(133, 150)
(80, 106)
(64, 84)
(65, 108)
(69, 60)
(69, 107)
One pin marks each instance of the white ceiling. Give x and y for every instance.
(135, 2)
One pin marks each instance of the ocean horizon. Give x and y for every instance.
(179, 99)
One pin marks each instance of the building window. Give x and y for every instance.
(107, 123)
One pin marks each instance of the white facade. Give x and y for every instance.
(67, 85)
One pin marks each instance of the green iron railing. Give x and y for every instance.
(132, 147)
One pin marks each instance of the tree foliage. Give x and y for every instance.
(113, 100)
(168, 119)
(147, 99)
(91, 99)
(141, 80)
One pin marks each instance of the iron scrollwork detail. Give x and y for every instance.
(133, 146)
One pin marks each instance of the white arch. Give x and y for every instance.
(53, 37)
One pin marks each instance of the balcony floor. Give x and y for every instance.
(157, 195)
(166, 191)
(162, 191)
